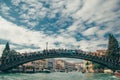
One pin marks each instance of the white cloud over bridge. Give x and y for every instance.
(29, 24)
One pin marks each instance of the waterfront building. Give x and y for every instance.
(34, 66)
(90, 65)
(40, 64)
(50, 65)
(28, 67)
(70, 67)
(99, 53)
(80, 66)
(65, 66)
(60, 65)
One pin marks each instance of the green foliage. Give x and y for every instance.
(7, 46)
(87, 63)
(9, 53)
(98, 66)
(6, 50)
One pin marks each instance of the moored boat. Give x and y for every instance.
(117, 73)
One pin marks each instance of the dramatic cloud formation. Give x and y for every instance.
(29, 24)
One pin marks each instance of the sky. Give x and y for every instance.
(85, 24)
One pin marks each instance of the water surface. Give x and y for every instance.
(57, 76)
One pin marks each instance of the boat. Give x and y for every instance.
(45, 71)
(117, 73)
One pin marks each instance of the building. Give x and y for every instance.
(38, 66)
(60, 65)
(80, 66)
(64, 66)
(89, 64)
(70, 67)
(50, 64)
(99, 53)
(34, 66)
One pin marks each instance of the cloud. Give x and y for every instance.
(22, 36)
(4, 9)
(18, 36)
(90, 31)
(62, 23)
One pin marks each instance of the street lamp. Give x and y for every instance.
(46, 45)
(78, 46)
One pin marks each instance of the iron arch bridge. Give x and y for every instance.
(7, 63)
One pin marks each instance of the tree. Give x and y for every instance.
(119, 52)
(87, 64)
(113, 46)
(7, 46)
(98, 66)
(6, 50)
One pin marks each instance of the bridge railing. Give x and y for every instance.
(60, 52)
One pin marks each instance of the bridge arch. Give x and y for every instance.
(14, 62)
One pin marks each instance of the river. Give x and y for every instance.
(57, 76)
